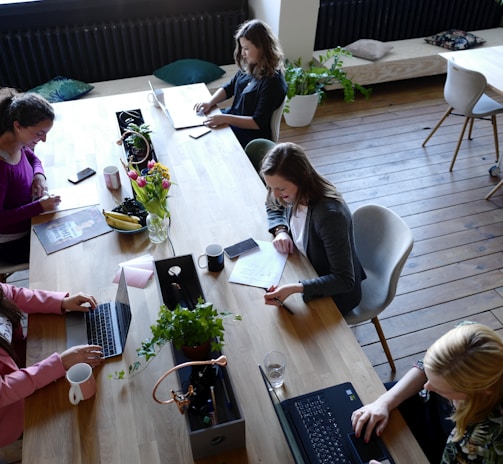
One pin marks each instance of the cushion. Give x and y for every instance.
(369, 49)
(189, 71)
(62, 89)
(455, 39)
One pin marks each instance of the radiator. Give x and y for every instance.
(341, 22)
(115, 50)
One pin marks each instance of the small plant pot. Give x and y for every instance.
(197, 353)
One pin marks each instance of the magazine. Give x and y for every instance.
(69, 230)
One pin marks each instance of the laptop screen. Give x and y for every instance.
(285, 425)
(123, 308)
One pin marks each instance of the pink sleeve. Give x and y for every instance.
(17, 384)
(34, 301)
(34, 161)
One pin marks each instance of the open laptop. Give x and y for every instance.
(317, 427)
(107, 326)
(177, 103)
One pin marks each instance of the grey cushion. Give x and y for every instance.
(369, 49)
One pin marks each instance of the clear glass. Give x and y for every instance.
(157, 228)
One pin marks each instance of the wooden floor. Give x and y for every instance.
(371, 150)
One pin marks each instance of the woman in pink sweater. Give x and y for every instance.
(17, 381)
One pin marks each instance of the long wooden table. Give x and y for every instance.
(217, 198)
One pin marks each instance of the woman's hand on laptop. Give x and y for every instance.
(369, 418)
(202, 108)
(79, 302)
(89, 354)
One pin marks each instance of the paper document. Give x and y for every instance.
(260, 268)
(74, 197)
(138, 271)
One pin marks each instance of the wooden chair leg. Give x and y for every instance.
(470, 130)
(459, 142)
(384, 343)
(442, 119)
(493, 191)
(495, 132)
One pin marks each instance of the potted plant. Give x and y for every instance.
(138, 144)
(198, 330)
(309, 83)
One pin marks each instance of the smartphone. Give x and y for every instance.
(367, 451)
(199, 132)
(81, 175)
(240, 248)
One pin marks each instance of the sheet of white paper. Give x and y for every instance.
(76, 196)
(260, 268)
(138, 271)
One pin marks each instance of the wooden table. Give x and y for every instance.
(488, 62)
(217, 197)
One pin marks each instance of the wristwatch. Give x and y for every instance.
(279, 229)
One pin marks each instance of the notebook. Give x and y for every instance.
(107, 326)
(317, 427)
(177, 103)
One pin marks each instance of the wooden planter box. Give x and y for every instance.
(181, 285)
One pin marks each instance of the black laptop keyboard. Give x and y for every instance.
(99, 329)
(322, 430)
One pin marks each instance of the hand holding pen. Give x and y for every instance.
(272, 297)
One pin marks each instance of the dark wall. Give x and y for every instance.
(57, 12)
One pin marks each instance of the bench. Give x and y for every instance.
(140, 83)
(408, 59)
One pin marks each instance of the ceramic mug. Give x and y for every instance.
(82, 383)
(152, 100)
(214, 258)
(112, 177)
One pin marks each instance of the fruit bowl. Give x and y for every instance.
(129, 217)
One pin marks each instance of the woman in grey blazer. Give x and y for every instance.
(306, 213)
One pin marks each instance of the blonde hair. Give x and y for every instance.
(470, 360)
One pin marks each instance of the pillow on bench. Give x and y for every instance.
(62, 89)
(189, 71)
(369, 49)
(455, 39)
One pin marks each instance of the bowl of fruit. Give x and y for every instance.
(130, 217)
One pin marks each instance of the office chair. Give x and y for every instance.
(7, 269)
(276, 121)
(256, 150)
(383, 242)
(464, 93)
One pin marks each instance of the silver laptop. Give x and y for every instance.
(107, 326)
(177, 103)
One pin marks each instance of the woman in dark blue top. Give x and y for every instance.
(258, 87)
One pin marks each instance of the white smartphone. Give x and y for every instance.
(199, 132)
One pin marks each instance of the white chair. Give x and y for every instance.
(6, 269)
(383, 242)
(464, 93)
(276, 121)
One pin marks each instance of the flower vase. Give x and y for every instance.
(157, 228)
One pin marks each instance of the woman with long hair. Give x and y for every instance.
(25, 120)
(258, 88)
(464, 367)
(306, 213)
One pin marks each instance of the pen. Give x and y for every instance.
(284, 306)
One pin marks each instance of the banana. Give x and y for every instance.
(122, 225)
(121, 216)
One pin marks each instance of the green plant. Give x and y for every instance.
(134, 139)
(315, 77)
(182, 327)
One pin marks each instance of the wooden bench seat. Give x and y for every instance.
(139, 83)
(408, 59)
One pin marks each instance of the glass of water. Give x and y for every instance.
(274, 365)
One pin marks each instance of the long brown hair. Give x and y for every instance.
(288, 160)
(10, 310)
(271, 55)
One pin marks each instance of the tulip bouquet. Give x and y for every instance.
(151, 188)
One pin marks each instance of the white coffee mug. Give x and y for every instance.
(112, 177)
(152, 100)
(82, 382)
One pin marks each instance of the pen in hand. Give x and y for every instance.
(280, 303)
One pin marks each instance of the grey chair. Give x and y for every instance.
(256, 150)
(7, 269)
(383, 243)
(464, 93)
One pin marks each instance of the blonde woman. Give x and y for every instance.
(465, 366)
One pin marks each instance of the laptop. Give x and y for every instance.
(107, 326)
(177, 103)
(317, 427)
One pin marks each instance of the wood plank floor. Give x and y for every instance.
(371, 150)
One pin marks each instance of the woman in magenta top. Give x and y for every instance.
(25, 120)
(17, 381)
